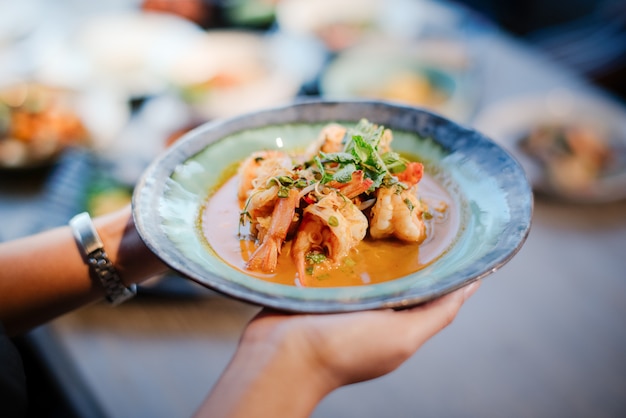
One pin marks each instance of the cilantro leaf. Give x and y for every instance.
(344, 174)
(337, 157)
(370, 161)
(325, 176)
(368, 131)
(394, 163)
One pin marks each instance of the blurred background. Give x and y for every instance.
(92, 92)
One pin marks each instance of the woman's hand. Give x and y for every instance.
(286, 364)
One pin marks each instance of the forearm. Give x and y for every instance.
(267, 379)
(44, 276)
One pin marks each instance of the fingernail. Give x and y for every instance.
(471, 288)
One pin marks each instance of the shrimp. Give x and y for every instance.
(265, 257)
(329, 140)
(385, 141)
(261, 202)
(397, 212)
(260, 176)
(330, 228)
(357, 185)
(259, 166)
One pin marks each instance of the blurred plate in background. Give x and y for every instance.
(341, 24)
(226, 72)
(37, 123)
(130, 51)
(433, 74)
(572, 145)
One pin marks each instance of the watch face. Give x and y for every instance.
(85, 233)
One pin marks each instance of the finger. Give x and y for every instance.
(427, 320)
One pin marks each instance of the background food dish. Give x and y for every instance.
(435, 74)
(341, 24)
(488, 187)
(37, 123)
(511, 122)
(224, 73)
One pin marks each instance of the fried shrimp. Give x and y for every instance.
(265, 257)
(258, 167)
(357, 185)
(397, 213)
(329, 140)
(329, 229)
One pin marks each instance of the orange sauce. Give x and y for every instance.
(371, 261)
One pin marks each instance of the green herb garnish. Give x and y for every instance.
(315, 258)
(409, 204)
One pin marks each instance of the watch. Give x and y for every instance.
(100, 266)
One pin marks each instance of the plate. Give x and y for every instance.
(487, 185)
(341, 24)
(436, 74)
(129, 51)
(509, 121)
(38, 123)
(227, 72)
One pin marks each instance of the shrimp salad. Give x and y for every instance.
(347, 185)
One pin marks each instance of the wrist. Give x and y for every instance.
(268, 376)
(289, 362)
(130, 256)
(101, 269)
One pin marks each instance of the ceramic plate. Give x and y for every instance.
(38, 123)
(434, 74)
(487, 187)
(511, 120)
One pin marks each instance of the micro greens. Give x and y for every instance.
(315, 258)
(395, 163)
(283, 192)
(361, 153)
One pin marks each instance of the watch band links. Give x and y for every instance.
(100, 265)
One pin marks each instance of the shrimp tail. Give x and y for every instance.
(309, 232)
(265, 257)
(300, 262)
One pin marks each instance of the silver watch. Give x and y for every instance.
(100, 266)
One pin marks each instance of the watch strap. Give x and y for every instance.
(100, 266)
